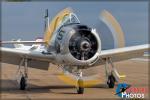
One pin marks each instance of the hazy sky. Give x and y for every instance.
(25, 20)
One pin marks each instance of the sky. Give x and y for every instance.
(25, 20)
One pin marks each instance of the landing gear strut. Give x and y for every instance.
(112, 75)
(23, 72)
(80, 88)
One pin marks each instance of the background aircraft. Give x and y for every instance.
(73, 46)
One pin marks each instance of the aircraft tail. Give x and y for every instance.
(18, 45)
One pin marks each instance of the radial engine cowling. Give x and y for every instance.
(77, 45)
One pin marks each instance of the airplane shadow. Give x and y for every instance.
(12, 87)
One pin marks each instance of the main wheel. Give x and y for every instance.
(111, 81)
(22, 83)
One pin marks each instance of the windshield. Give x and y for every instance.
(71, 18)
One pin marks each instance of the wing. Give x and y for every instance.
(124, 53)
(36, 59)
(23, 42)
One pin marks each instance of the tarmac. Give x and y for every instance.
(47, 85)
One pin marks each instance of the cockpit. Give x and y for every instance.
(71, 18)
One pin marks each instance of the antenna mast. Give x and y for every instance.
(46, 17)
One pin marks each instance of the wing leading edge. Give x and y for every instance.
(124, 53)
(36, 59)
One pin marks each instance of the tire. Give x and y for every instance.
(80, 90)
(111, 81)
(22, 83)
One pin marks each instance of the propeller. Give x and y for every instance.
(83, 46)
(114, 27)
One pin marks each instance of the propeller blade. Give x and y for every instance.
(55, 23)
(71, 78)
(114, 27)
